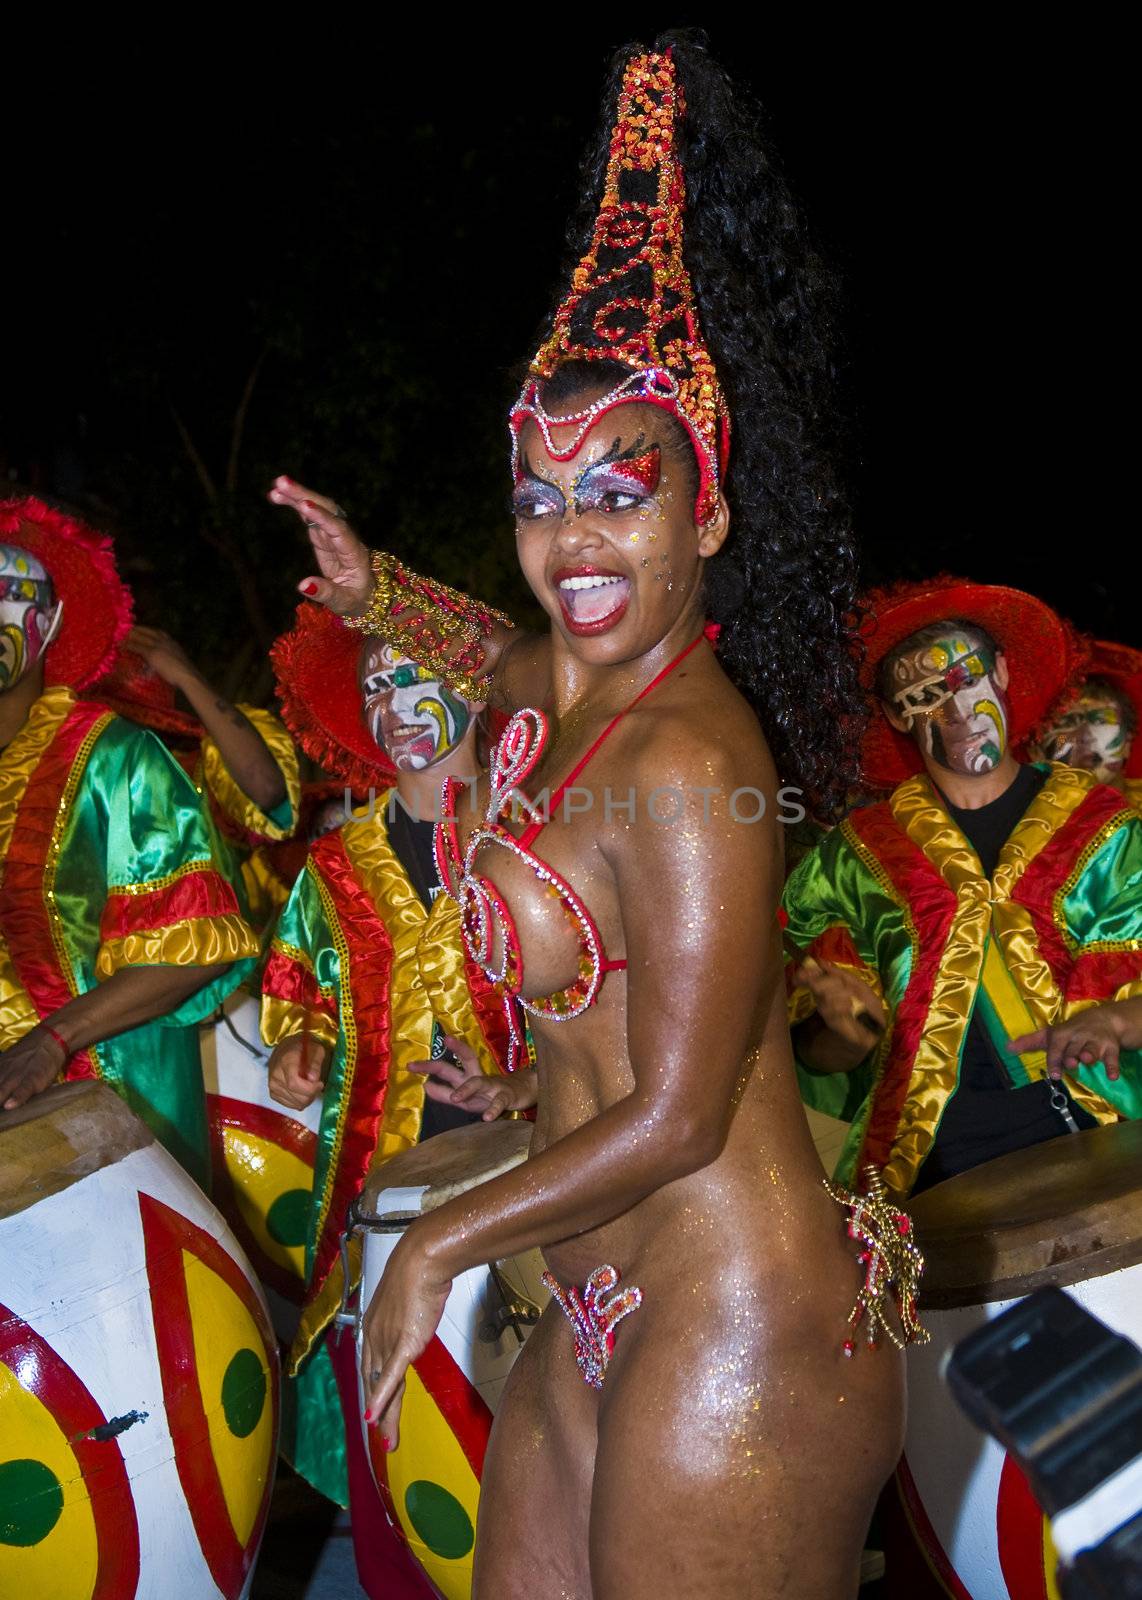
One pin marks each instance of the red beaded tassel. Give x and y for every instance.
(892, 1264)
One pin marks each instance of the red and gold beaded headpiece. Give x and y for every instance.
(631, 299)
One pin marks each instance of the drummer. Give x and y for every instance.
(240, 758)
(970, 970)
(118, 931)
(1096, 726)
(367, 977)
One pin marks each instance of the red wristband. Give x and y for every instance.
(59, 1039)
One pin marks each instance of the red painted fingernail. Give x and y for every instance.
(309, 588)
(310, 503)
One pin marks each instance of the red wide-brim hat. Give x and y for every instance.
(96, 602)
(315, 665)
(1044, 655)
(134, 690)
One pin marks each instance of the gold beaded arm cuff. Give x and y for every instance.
(439, 627)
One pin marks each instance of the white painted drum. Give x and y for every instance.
(138, 1369)
(962, 1521)
(262, 1157)
(431, 1482)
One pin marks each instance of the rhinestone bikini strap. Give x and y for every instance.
(538, 823)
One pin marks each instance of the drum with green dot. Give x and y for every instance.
(431, 1482)
(138, 1369)
(262, 1158)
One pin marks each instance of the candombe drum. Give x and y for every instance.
(138, 1369)
(960, 1518)
(262, 1157)
(430, 1483)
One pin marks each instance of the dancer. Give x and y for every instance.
(984, 921)
(240, 758)
(667, 1434)
(367, 972)
(118, 933)
(1096, 728)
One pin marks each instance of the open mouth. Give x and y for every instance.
(410, 739)
(591, 599)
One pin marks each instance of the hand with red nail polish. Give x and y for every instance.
(345, 584)
(401, 1319)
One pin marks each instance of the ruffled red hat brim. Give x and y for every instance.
(1043, 652)
(97, 607)
(315, 665)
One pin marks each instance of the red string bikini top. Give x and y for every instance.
(483, 910)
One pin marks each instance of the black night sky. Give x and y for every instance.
(366, 227)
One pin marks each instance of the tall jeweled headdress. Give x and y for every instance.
(631, 299)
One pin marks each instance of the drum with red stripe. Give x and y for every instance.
(960, 1518)
(138, 1369)
(262, 1157)
(430, 1483)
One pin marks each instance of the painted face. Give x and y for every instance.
(607, 538)
(29, 616)
(1091, 735)
(947, 694)
(414, 717)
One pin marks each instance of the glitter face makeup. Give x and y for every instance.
(956, 713)
(620, 484)
(1091, 735)
(615, 483)
(413, 716)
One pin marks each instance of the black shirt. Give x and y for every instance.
(411, 840)
(987, 1115)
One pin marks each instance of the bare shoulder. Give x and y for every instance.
(523, 672)
(699, 730)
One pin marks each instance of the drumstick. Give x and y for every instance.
(864, 1018)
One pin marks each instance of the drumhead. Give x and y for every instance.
(448, 1164)
(1056, 1213)
(61, 1136)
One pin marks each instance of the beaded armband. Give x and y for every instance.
(439, 627)
(892, 1265)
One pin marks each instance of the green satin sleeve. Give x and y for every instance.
(303, 925)
(305, 929)
(1102, 911)
(833, 896)
(138, 809)
(136, 822)
(834, 887)
(1104, 904)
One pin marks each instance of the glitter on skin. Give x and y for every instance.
(747, 1245)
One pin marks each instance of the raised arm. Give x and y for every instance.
(489, 658)
(701, 951)
(245, 753)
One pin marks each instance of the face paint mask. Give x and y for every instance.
(414, 717)
(29, 618)
(1090, 736)
(947, 694)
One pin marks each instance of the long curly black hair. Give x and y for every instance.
(784, 586)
